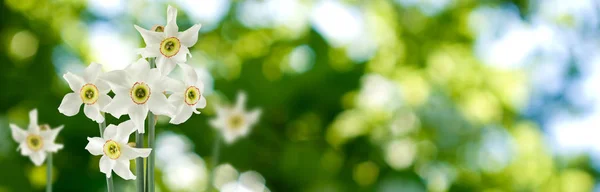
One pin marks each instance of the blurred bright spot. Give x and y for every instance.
(480, 107)
(365, 173)
(24, 44)
(37, 176)
(171, 146)
(378, 94)
(250, 181)
(574, 180)
(496, 151)
(209, 13)
(186, 173)
(400, 154)
(415, 89)
(429, 7)
(439, 176)
(106, 8)
(111, 49)
(340, 24)
(347, 125)
(223, 174)
(301, 59)
(404, 122)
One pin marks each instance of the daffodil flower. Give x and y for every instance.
(170, 47)
(138, 89)
(187, 95)
(35, 142)
(235, 122)
(88, 90)
(115, 151)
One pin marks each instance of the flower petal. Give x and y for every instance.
(38, 157)
(138, 70)
(176, 99)
(201, 103)
(174, 86)
(122, 170)
(103, 101)
(118, 80)
(171, 29)
(190, 75)
(106, 165)
(123, 131)
(51, 134)
(159, 105)
(184, 113)
(33, 122)
(150, 37)
(110, 132)
(240, 102)
(93, 112)
(138, 113)
(75, 82)
(118, 105)
(129, 153)
(151, 50)
(18, 134)
(25, 151)
(102, 85)
(165, 65)
(52, 147)
(95, 145)
(70, 104)
(253, 116)
(181, 56)
(91, 73)
(189, 37)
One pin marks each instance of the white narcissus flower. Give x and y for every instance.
(138, 89)
(115, 152)
(250, 181)
(89, 90)
(187, 95)
(235, 122)
(34, 142)
(171, 46)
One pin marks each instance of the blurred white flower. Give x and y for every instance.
(187, 95)
(138, 89)
(186, 173)
(235, 122)
(224, 174)
(378, 94)
(34, 142)
(171, 46)
(88, 89)
(250, 181)
(115, 151)
(400, 154)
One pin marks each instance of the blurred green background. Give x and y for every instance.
(357, 95)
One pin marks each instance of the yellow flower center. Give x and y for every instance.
(169, 47)
(89, 94)
(34, 142)
(235, 121)
(192, 95)
(112, 149)
(140, 93)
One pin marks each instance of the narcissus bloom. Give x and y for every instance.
(187, 95)
(138, 89)
(170, 47)
(115, 151)
(235, 122)
(36, 141)
(89, 90)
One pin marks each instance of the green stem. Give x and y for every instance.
(151, 144)
(215, 156)
(49, 173)
(139, 163)
(109, 181)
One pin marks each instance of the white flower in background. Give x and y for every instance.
(138, 89)
(36, 142)
(187, 95)
(171, 46)
(88, 89)
(250, 181)
(235, 122)
(115, 151)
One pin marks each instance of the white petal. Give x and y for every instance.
(129, 153)
(174, 86)
(91, 73)
(18, 134)
(165, 65)
(252, 180)
(138, 114)
(151, 50)
(118, 80)
(103, 101)
(138, 70)
(38, 157)
(75, 82)
(106, 165)
(33, 122)
(119, 105)
(171, 29)
(25, 151)
(241, 101)
(181, 56)
(176, 99)
(95, 145)
(102, 85)
(70, 104)
(228, 136)
(184, 113)
(189, 37)
(190, 75)
(93, 112)
(124, 130)
(156, 80)
(150, 37)
(201, 103)
(159, 105)
(253, 116)
(110, 132)
(122, 170)
(51, 134)
(52, 147)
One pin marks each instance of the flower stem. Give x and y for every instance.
(215, 156)
(151, 135)
(139, 163)
(49, 173)
(109, 181)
